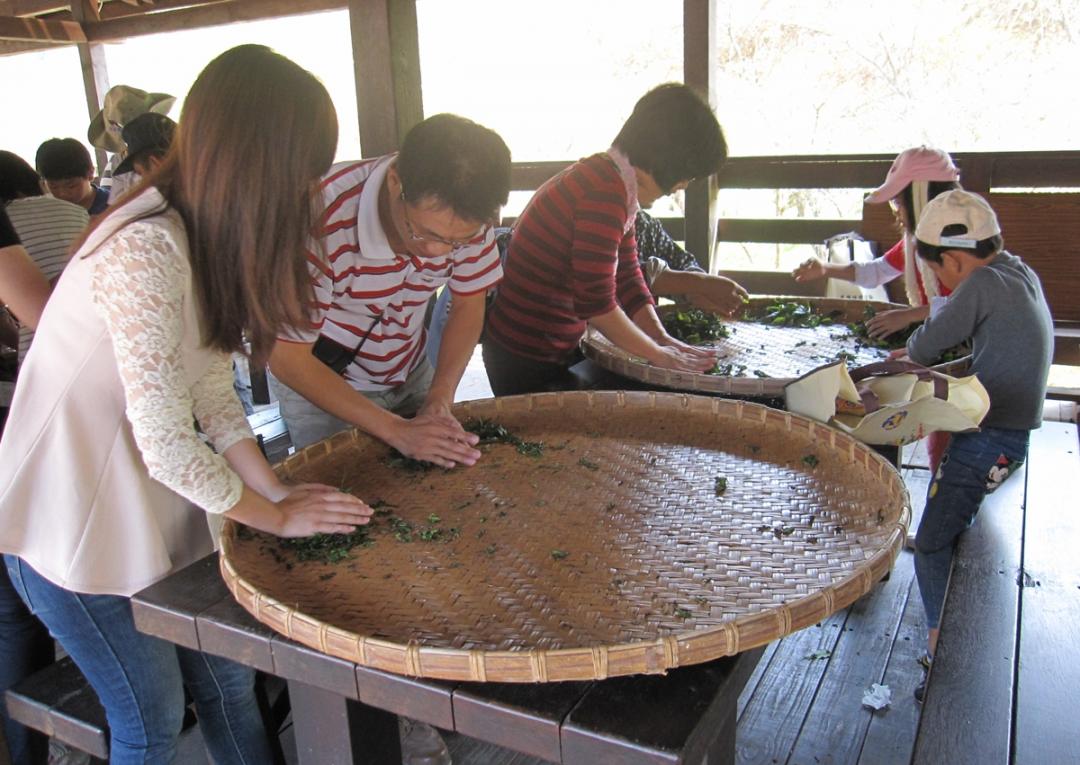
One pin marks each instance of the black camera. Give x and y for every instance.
(333, 354)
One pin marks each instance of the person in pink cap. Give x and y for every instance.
(917, 175)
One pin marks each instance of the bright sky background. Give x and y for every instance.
(556, 79)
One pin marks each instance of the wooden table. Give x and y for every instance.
(345, 713)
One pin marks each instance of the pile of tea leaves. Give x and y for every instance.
(695, 326)
(493, 433)
(793, 314)
(329, 548)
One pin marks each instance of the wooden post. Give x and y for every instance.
(95, 75)
(699, 57)
(386, 59)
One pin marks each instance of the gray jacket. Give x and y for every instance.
(1001, 310)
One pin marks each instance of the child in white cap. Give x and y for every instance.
(997, 306)
(917, 175)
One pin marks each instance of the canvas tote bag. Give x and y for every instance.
(891, 402)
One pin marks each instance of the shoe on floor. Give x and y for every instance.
(62, 754)
(924, 661)
(422, 744)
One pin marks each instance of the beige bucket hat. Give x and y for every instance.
(124, 103)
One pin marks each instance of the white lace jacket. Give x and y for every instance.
(102, 474)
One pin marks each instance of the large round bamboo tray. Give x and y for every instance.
(770, 357)
(614, 552)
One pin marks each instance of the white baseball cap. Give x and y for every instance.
(957, 208)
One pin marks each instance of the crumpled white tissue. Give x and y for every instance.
(877, 696)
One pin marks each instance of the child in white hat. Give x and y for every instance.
(997, 306)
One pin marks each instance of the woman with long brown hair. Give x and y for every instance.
(105, 484)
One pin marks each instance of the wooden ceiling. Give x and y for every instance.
(35, 24)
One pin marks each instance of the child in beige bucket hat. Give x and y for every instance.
(122, 104)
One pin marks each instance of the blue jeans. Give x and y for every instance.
(974, 465)
(25, 647)
(140, 679)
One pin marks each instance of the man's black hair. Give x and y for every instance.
(60, 158)
(461, 164)
(17, 178)
(983, 249)
(673, 135)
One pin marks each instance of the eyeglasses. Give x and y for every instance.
(453, 244)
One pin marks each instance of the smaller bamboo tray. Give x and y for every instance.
(616, 550)
(770, 357)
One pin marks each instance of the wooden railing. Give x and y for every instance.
(1042, 226)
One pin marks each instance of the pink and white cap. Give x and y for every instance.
(922, 163)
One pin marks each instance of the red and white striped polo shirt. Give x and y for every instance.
(366, 288)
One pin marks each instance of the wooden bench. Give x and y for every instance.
(1003, 686)
(59, 702)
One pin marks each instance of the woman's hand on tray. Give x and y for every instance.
(313, 508)
(674, 354)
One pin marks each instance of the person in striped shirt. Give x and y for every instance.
(573, 261)
(47, 226)
(396, 229)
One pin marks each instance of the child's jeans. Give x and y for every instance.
(974, 465)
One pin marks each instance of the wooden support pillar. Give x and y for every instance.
(95, 75)
(386, 60)
(699, 58)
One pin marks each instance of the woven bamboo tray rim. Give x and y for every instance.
(603, 352)
(598, 661)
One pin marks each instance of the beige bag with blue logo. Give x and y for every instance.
(891, 402)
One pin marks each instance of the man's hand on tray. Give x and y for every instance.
(718, 294)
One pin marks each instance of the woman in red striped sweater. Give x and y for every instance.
(572, 260)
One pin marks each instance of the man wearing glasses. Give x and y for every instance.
(396, 229)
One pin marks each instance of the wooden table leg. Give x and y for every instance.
(332, 730)
(722, 749)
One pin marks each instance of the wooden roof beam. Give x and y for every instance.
(122, 10)
(36, 30)
(31, 7)
(201, 16)
(8, 48)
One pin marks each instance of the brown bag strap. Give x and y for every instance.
(896, 367)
